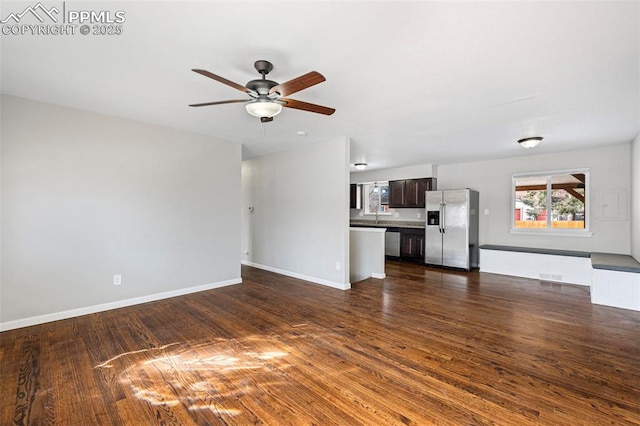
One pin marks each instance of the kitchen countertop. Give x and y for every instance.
(388, 224)
(367, 229)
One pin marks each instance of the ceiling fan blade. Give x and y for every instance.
(297, 84)
(222, 80)
(306, 106)
(220, 102)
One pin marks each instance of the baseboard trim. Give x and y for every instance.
(41, 319)
(315, 280)
(378, 275)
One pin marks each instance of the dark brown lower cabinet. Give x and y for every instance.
(412, 244)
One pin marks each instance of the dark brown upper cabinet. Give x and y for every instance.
(356, 196)
(396, 193)
(410, 192)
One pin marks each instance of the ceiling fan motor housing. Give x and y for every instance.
(261, 87)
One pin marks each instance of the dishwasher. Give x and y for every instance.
(392, 242)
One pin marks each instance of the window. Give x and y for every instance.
(551, 202)
(376, 198)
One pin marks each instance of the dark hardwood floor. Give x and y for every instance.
(423, 346)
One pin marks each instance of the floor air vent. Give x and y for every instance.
(551, 277)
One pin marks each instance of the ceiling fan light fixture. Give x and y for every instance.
(360, 166)
(530, 142)
(263, 108)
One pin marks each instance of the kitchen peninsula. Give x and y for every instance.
(366, 253)
(404, 240)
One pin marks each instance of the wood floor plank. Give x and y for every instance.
(423, 346)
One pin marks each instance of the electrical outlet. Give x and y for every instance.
(338, 266)
(419, 215)
(117, 279)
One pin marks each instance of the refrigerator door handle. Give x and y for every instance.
(443, 210)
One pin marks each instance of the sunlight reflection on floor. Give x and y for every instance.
(212, 375)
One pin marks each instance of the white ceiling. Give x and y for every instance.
(412, 82)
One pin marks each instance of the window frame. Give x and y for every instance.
(567, 232)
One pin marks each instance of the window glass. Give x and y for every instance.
(567, 201)
(376, 198)
(531, 202)
(553, 200)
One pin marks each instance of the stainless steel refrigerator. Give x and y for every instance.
(451, 229)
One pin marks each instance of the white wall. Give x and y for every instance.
(610, 172)
(635, 198)
(87, 196)
(300, 220)
(394, 173)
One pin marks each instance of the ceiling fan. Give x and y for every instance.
(267, 97)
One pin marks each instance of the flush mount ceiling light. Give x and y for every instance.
(360, 166)
(530, 142)
(263, 108)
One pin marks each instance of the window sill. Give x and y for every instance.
(379, 214)
(552, 232)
